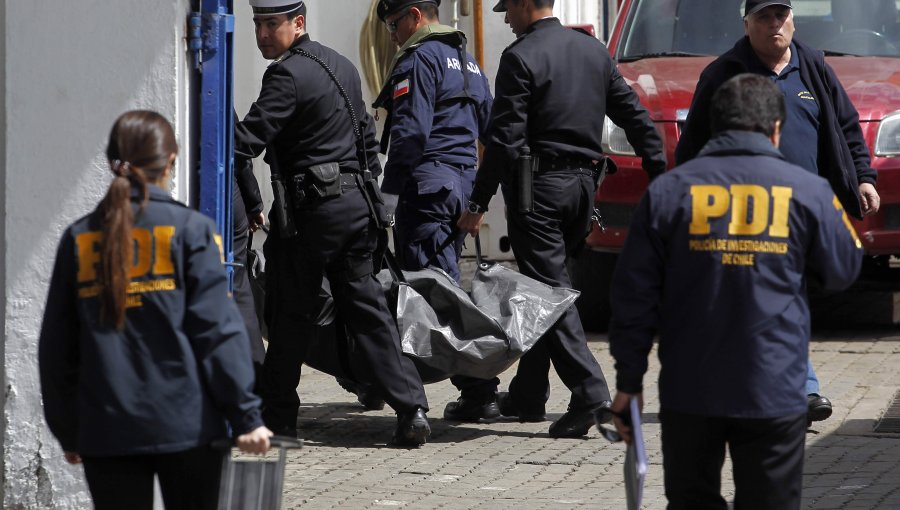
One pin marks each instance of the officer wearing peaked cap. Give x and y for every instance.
(275, 7)
(308, 118)
(555, 107)
(438, 102)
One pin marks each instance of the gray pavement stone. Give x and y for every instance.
(347, 464)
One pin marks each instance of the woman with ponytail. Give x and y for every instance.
(144, 359)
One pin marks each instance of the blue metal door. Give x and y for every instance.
(212, 41)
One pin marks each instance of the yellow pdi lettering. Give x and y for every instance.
(152, 251)
(749, 210)
(221, 245)
(707, 202)
(88, 245)
(781, 211)
(143, 252)
(752, 209)
(846, 220)
(163, 260)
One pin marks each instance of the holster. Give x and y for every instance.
(525, 168)
(383, 219)
(283, 209)
(316, 183)
(603, 168)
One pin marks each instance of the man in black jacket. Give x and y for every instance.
(716, 262)
(303, 122)
(554, 106)
(822, 132)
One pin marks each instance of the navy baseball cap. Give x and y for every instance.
(388, 7)
(500, 7)
(754, 6)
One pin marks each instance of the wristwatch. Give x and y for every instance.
(475, 208)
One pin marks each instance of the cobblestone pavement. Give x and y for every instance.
(346, 462)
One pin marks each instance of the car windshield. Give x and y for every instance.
(658, 28)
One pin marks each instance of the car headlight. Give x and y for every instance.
(614, 141)
(887, 143)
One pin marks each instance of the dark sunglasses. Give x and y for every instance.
(392, 25)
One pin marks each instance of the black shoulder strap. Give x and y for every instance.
(464, 63)
(360, 142)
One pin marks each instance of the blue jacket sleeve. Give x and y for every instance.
(835, 253)
(412, 118)
(58, 349)
(635, 297)
(217, 333)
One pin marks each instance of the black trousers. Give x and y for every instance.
(766, 454)
(336, 238)
(542, 242)
(189, 480)
(243, 294)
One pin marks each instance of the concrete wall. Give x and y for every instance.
(70, 68)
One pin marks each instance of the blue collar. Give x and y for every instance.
(740, 143)
(154, 192)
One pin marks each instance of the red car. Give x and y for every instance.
(663, 45)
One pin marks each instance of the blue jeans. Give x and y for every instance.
(812, 382)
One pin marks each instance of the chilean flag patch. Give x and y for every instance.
(401, 88)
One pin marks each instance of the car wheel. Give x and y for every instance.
(591, 273)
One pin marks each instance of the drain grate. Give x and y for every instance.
(890, 422)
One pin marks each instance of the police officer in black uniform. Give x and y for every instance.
(555, 107)
(304, 123)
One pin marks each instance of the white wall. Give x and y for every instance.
(70, 68)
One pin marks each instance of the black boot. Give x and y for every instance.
(509, 407)
(818, 408)
(577, 422)
(412, 429)
(472, 410)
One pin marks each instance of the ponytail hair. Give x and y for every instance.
(140, 146)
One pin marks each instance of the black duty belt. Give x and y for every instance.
(348, 175)
(584, 166)
(348, 178)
